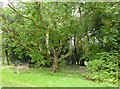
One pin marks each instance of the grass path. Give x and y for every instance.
(16, 83)
(43, 78)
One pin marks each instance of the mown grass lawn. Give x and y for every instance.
(41, 77)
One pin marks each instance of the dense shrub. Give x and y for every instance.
(104, 67)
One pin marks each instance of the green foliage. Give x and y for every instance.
(62, 63)
(37, 58)
(104, 67)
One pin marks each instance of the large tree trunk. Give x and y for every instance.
(47, 41)
(55, 65)
(6, 52)
(82, 62)
(73, 57)
(73, 62)
(55, 61)
(3, 56)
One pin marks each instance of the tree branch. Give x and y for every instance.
(15, 35)
(24, 16)
(39, 12)
(70, 51)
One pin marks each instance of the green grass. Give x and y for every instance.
(41, 77)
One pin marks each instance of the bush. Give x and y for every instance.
(104, 67)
